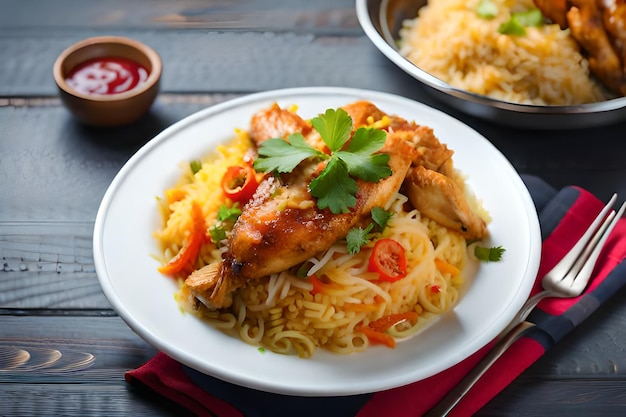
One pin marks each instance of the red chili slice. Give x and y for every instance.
(239, 183)
(388, 260)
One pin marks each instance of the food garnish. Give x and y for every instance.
(388, 259)
(519, 21)
(239, 183)
(335, 187)
(493, 254)
(226, 217)
(358, 237)
(487, 9)
(187, 255)
(195, 166)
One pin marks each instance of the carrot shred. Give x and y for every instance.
(189, 252)
(174, 194)
(385, 322)
(361, 308)
(377, 337)
(446, 267)
(321, 287)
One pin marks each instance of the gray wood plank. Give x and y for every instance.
(82, 400)
(319, 15)
(98, 387)
(203, 61)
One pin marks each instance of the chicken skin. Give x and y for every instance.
(599, 27)
(282, 226)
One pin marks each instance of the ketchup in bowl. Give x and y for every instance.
(105, 76)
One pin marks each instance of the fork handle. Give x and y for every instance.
(455, 395)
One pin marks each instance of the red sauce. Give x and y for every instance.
(107, 76)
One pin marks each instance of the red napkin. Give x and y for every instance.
(563, 218)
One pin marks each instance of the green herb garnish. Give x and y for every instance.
(335, 188)
(518, 22)
(358, 237)
(381, 217)
(195, 166)
(487, 9)
(493, 254)
(226, 218)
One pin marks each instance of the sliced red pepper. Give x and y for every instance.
(189, 252)
(239, 183)
(388, 260)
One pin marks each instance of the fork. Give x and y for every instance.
(568, 278)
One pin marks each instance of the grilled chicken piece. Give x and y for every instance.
(555, 10)
(599, 27)
(282, 227)
(587, 27)
(276, 122)
(614, 20)
(432, 188)
(440, 198)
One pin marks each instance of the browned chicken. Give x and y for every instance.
(282, 226)
(599, 27)
(275, 122)
(440, 198)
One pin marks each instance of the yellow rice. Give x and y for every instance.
(204, 188)
(544, 67)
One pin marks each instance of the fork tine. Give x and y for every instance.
(590, 245)
(599, 239)
(563, 268)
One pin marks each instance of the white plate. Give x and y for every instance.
(144, 298)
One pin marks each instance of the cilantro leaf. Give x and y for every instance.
(518, 22)
(367, 140)
(226, 217)
(493, 254)
(225, 213)
(217, 233)
(195, 166)
(532, 17)
(370, 168)
(512, 27)
(333, 188)
(283, 156)
(358, 237)
(487, 9)
(334, 126)
(360, 157)
(381, 217)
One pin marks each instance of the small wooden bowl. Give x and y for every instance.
(108, 109)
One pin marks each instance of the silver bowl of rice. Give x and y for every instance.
(538, 80)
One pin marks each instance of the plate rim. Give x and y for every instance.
(179, 354)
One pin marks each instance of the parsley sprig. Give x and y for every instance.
(335, 188)
(358, 237)
(519, 21)
(226, 218)
(492, 254)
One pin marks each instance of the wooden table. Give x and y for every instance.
(54, 172)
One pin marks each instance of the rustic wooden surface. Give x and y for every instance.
(53, 173)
